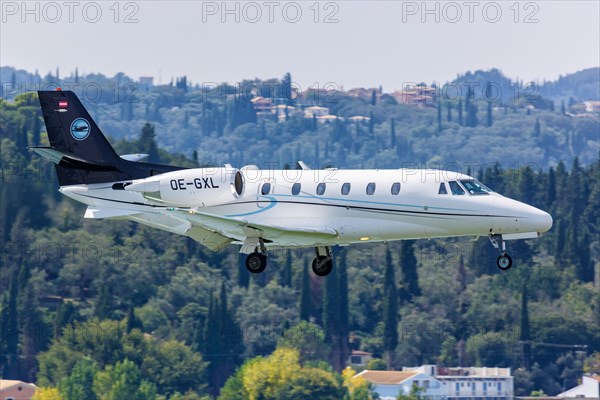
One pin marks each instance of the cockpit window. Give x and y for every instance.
(455, 188)
(442, 189)
(475, 187)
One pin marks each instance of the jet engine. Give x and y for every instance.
(198, 187)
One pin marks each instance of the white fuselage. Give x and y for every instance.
(364, 213)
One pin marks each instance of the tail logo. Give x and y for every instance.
(80, 128)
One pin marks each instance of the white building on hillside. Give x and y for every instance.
(471, 383)
(589, 389)
(389, 384)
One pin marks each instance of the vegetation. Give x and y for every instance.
(112, 309)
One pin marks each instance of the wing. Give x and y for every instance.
(216, 232)
(238, 229)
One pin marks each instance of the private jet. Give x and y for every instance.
(262, 209)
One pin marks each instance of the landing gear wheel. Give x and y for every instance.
(256, 263)
(322, 266)
(504, 261)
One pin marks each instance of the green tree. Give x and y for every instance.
(308, 339)
(123, 381)
(79, 384)
(281, 376)
(174, 367)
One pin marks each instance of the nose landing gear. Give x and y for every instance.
(504, 261)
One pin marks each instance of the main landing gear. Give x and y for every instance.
(256, 262)
(322, 264)
(504, 261)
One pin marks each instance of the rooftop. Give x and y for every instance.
(386, 377)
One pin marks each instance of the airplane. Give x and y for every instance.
(261, 209)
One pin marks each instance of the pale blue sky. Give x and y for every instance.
(372, 42)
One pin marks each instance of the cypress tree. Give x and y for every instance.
(286, 280)
(132, 321)
(344, 320)
(472, 116)
(550, 188)
(66, 314)
(460, 113)
(374, 98)
(525, 331)
(330, 306)
(390, 310)
(559, 247)
(243, 275)
(371, 123)
(488, 96)
(410, 278)
(35, 134)
(439, 116)
(9, 339)
(305, 306)
(562, 107)
(147, 143)
(104, 303)
(449, 112)
(537, 129)
(585, 265)
(34, 335)
(393, 132)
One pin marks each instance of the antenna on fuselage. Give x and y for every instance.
(303, 165)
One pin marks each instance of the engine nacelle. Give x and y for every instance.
(198, 187)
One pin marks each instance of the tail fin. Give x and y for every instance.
(84, 154)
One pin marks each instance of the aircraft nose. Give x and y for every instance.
(543, 221)
(540, 220)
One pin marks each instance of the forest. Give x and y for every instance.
(113, 310)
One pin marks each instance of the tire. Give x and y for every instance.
(256, 263)
(504, 262)
(322, 266)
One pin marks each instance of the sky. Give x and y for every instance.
(335, 44)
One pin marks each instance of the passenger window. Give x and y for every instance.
(266, 188)
(371, 188)
(296, 189)
(321, 189)
(442, 189)
(395, 188)
(456, 189)
(346, 188)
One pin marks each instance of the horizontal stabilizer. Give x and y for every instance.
(98, 213)
(69, 160)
